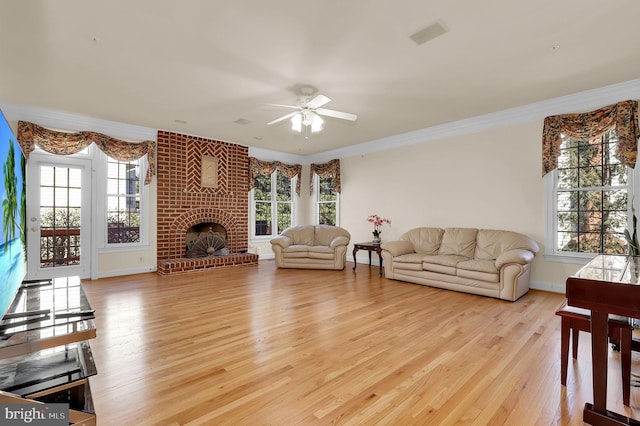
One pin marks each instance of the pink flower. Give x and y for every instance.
(377, 223)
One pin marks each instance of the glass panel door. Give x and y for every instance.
(58, 216)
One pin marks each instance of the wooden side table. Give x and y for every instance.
(369, 247)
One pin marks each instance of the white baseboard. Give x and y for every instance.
(375, 261)
(131, 271)
(552, 287)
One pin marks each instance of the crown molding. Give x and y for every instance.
(75, 122)
(269, 155)
(578, 102)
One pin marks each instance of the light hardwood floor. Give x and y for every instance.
(256, 345)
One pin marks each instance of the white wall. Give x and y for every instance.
(490, 179)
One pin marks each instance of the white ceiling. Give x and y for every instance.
(154, 63)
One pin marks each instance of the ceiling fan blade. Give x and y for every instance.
(284, 117)
(317, 102)
(285, 106)
(337, 114)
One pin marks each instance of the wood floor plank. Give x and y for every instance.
(256, 345)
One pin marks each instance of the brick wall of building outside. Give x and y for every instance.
(182, 202)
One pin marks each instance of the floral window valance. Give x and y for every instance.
(266, 168)
(67, 143)
(592, 125)
(327, 170)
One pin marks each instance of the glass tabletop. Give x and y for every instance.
(47, 310)
(621, 269)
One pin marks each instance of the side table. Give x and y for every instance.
(369, 247)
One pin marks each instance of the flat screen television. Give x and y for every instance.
(13, 259)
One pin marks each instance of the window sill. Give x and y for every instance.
(575, 258)
(123, 247)
(262, 239)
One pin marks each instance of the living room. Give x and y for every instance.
(479, 169)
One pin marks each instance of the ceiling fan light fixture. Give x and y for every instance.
(307, 119)
(316, 123)
(308, 115)
(296, 123)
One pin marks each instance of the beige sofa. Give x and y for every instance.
(311, 247)
(487, 262)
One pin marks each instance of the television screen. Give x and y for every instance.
(13, 264)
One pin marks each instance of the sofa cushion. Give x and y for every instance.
(424, 240)
(296, 248)
(459, 241)
(411, 261)
(491, 243)
(445, 264)
(409, 258)
(321, 252)
(301, 235)
(296, 251)
(417, 267)
(441, 269)
(478, 269)
(324, 234)
(480, 265)
(445, 260)
(478, 275)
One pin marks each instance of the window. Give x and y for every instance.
(123, 202)
(591, 198)
(272, 198)
(326, 201)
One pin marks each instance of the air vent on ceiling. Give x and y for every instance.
(429, 33)
(242, 121)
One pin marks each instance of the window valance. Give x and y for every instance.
(592, 125)
(327, 170)
(266, 168)
(67, 143)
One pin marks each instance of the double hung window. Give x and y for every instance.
(326, 201)
(273, 204)
(591, 198)
(123, 201)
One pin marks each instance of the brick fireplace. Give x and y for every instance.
(184, 202)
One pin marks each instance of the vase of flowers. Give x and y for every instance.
(377, 226)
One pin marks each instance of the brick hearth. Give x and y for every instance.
(197, 264)
(182, 202)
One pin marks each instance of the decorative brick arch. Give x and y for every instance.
(196, 216)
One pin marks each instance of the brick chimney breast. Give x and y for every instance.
(185, 199)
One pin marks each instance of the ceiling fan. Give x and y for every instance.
(308, 114)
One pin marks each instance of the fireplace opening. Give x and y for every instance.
(206, 239)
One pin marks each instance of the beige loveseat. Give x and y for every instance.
(487, 262)
(311, 247)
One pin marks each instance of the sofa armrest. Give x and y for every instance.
(282, 241)
(520, 256)
(397, 248)
(339, 241)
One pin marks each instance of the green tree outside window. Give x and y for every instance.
(592, 197)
